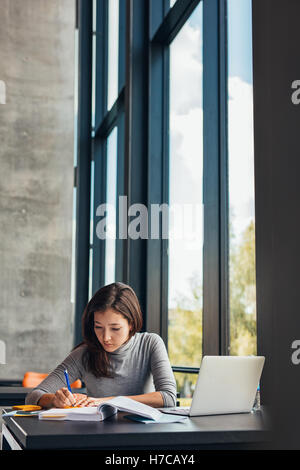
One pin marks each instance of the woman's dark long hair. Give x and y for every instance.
(122, 299)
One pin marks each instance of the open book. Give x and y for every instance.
(103, 411)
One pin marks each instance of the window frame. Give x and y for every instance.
(215, 170)
(141, 114)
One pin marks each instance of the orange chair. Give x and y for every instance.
(33, 379)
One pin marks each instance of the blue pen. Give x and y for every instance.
(67, 380)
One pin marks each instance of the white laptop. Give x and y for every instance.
(225, 384)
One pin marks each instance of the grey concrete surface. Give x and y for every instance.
(36, 183)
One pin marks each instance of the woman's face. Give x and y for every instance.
(111, 329)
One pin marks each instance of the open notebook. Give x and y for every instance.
(105, 410)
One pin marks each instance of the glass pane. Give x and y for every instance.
(185, 195)
(241, 180)
(186, 384)
(111, 200)
(113, 51)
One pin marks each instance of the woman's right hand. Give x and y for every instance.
(63, 398)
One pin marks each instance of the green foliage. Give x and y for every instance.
(243, 295)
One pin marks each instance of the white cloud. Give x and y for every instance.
(241, 152)
(186, 70)
(186, 151)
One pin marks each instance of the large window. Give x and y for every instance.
(185, 198)
(172, 128)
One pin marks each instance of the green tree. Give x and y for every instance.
(243, 295)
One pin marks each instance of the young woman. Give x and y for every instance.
(113, 359)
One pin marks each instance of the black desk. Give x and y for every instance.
(237, 431)
(10, 396)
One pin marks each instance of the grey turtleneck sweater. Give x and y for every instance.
(140, 366)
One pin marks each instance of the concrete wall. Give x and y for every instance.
(36, 196)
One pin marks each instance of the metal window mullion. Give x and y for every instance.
(122, 45)
(99, 147)
(158, 175)
(185, 370)
(136, 136)
(157, 13)
(101, 61)
(121, 222)
(173, 21)
(224, 186)
(110, 119)
(100, 165)
(127, 128)
(165, 194)
(83, 161)
(157, 254)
